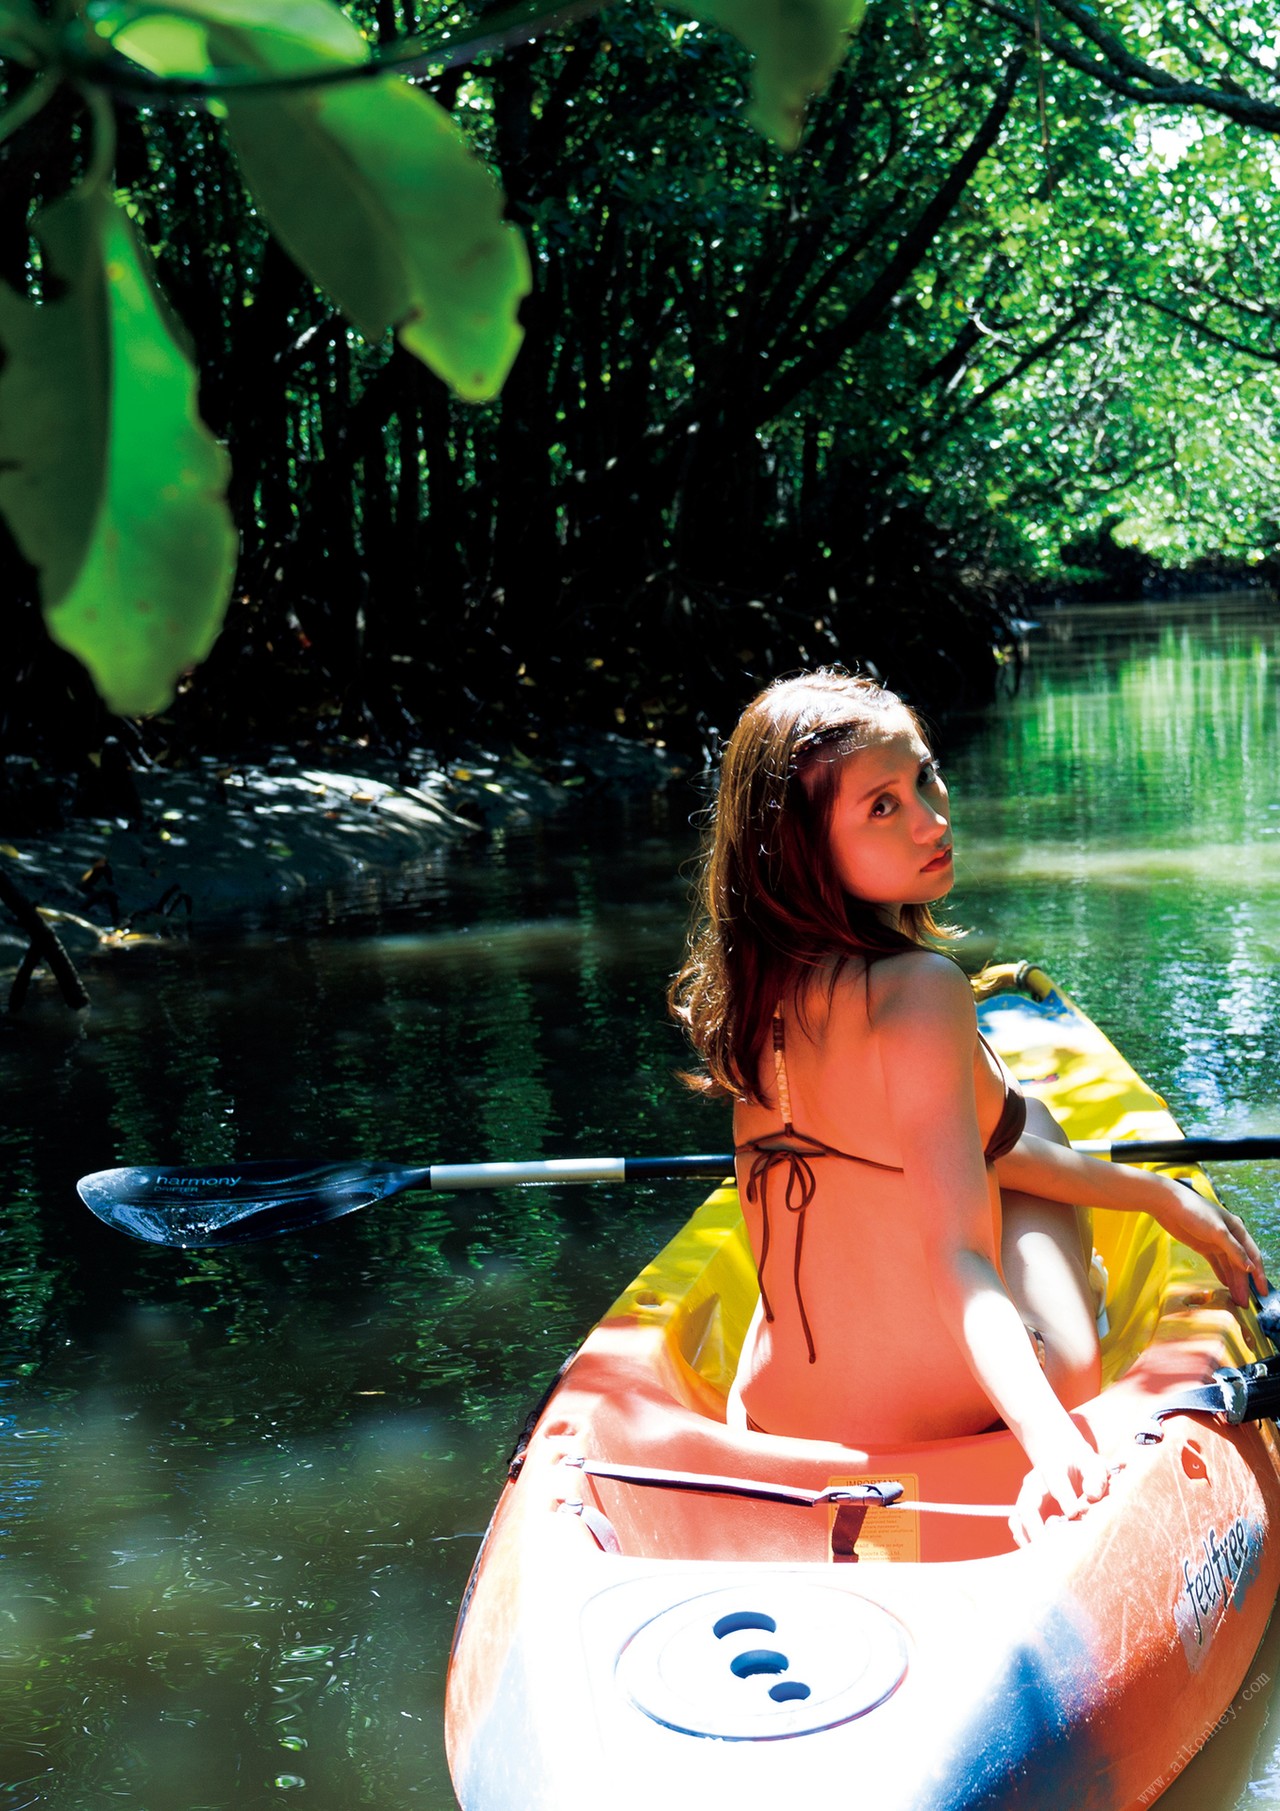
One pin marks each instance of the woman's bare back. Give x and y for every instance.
(884, 1369)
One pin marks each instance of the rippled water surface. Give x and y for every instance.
(240, 1492)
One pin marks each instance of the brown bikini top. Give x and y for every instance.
(796, 1152)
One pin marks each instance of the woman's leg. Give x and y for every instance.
(1046, 1249)
(735, 1409)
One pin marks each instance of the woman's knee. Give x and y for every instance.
(1042, 1124)
(1046, 1275)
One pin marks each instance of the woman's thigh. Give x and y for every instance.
(1046, 1247)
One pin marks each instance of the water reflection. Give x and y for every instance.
(240, 1491)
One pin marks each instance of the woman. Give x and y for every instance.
(885, 1156)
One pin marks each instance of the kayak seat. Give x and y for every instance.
(623, 1412)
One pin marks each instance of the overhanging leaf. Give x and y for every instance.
(376, 194)
(370, 186)
(797, 46)
(53, 398)
(130, 26)
(111, 484)
(164, 44)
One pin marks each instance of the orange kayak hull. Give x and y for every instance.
(639, 1638)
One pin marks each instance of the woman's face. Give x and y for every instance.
(890, 834)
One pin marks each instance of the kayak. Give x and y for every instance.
(669, 1608)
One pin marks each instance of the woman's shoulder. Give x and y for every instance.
(915, 990)
(922, 986)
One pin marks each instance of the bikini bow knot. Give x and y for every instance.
(801, 1186)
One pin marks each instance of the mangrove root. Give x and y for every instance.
(45, 946)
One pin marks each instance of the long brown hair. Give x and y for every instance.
(769, 905)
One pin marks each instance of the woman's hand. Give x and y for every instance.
(1062, 1483)
(1221, 1237)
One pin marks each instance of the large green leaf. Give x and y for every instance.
(160, 42)
(111, 484)
(53, 399)
(377, 195)
(170, 37)
(369, 185)
(797, 46)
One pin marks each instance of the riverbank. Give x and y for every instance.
(218, 845)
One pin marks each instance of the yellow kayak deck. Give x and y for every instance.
(702, 1286)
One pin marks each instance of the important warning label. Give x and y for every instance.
(886, 1534)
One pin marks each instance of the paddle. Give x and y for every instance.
(239, 1202)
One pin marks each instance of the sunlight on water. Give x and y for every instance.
(1224, 866)
(240, 1490)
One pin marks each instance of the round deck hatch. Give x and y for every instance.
(757, 1663)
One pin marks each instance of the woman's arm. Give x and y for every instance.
(1053, 1171)
(926, 1036)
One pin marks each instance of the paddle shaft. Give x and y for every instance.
(233, 1203)
(1180, 1150)
(293, 1181)
(447, 1177)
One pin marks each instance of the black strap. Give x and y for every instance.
(846, 1527)
(1250, 1394)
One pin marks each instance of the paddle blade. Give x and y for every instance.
(237, 1202)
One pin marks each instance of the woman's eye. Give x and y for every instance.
(882, 806)
(931, 774)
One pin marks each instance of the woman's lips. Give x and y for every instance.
(939, 861)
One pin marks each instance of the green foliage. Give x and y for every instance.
(767, 408)
(53, 396)
(112, 485)
(377, 196)
(797, 46)
(372, 189)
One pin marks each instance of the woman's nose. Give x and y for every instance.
(931, 812)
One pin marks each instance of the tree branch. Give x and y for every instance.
(45, 947)
(124, 79)
(1042, 349)
(1212, 333)
(827, 346)
(1233, 50)
(1130, 76)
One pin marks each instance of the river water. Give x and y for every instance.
(240, 1492)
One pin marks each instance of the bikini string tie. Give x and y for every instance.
(801, 1186)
